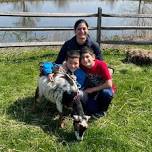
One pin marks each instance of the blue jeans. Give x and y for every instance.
(99, 102)
(104, 99)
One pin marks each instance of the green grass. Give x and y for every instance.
(126, 128)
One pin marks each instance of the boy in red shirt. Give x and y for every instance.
(99, 86)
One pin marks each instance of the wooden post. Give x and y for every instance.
(99, 25)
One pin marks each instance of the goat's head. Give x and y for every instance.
(80, 125)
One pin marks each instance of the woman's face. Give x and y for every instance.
(81, 32)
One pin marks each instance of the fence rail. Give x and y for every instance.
(99, 15)
(71, 28)
(32, 14)
(41, 29)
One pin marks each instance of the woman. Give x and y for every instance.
(80, 40)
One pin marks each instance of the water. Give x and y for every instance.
(84, 6)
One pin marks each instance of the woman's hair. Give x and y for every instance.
(79, 22)
(73, 54)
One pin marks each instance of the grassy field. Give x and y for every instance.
(126, 128)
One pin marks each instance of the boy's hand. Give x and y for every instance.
(51, 77)
(111, 71)
(89, 90)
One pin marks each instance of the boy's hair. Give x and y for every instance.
(87, 49)
(72, 54)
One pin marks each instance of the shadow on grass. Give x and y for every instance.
(46, 117)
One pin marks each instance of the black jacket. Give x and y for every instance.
(73, 45)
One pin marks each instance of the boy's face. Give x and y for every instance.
(87, 60)
(72, 64)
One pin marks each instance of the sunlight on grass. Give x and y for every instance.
(127, 126)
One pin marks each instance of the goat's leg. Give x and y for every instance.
(78, 108)
(37, 99)
(61, 116)
(59, 105)
(79, 104)
(61, 120)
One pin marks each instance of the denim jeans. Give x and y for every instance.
(104, 99)
(100, 102)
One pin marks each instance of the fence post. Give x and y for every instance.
(99, 15)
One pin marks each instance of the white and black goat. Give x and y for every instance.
(61, 91)
(80, 124)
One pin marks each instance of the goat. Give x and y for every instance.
(62, 91)
(55, 90)
(80, 124)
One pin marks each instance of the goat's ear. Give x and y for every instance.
(86, 117)
(77, 118)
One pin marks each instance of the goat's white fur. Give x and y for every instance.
(77, 135)
(53, 90)
(83, 121)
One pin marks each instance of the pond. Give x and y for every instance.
(74, 6)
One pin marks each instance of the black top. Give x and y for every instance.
(73, 45)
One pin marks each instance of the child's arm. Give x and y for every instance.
(55, 68)
(50, 76)
(47, 69)
(106, 84)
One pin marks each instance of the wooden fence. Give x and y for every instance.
(99, 15)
